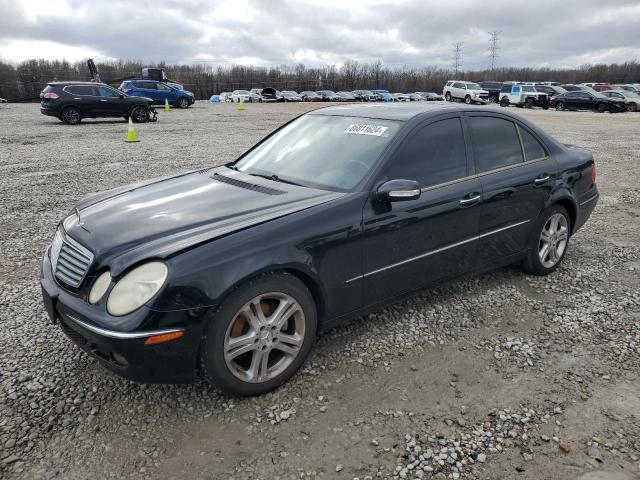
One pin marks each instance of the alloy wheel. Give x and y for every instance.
(140, 115)
(264, 337)
(553, 240)
(71, 116)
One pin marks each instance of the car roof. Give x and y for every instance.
(71, 82)
(392, 112)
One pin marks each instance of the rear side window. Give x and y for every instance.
(533, 150)
(495, 143)
(149, 85)
(80, 90)
(432, 155)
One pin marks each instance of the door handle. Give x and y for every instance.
(541, 180)
(103, 100)
(467, 202)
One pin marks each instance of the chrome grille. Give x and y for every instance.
(69, 259)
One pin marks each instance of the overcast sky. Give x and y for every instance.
(317, 32)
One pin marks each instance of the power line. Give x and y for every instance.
(457, 56)
(494, 47)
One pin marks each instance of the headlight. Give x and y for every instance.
(136, 288)
(100, 287)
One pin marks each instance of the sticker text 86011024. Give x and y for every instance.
(362, 129)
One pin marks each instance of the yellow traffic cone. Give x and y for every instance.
(167, 108)
(132, 137)
(241, 106)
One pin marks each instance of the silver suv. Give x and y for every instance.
(469, 92)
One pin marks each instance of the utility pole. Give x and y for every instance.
(494, 47)
(457, 56)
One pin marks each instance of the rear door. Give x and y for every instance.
(517, 176)
(147, 89)
(410, 244)
(84, 97)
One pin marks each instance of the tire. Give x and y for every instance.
(537, 261)
(528, 103)
(228, 373)
(467, 100)
(71, 115)
(493, 99)
(140, 114)
(504, 102)
(560, 106)
(632, 107)
(182, 103)
(602, 108)
(447, 97)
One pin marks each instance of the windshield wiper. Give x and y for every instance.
(274, 178)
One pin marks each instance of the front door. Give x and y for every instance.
(408, 245)
(517, 176)
(109, 101)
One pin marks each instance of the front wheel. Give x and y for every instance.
(260, 336)
(504, 102)
(467, 100)
(602, 107)
(140, 114)
(182, 103)
(632, 107)
(559, 106)
(549, 241)
(447, 97)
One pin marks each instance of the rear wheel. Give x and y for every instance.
(549, 241)
(632, 107)
(504, 102)
(528, 103)
(182, 103)
(447, 97)
(260, 336)
(71, 116)
(602, 107)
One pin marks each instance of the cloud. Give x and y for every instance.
(269, 32)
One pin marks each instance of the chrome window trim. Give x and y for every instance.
(446, 184)
(508, 167)
(120, 335)
(438, 250)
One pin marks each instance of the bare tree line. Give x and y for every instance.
(26, 80)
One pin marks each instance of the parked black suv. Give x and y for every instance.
(73, 101)
(494, 90)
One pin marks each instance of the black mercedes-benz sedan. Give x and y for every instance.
(230, 272)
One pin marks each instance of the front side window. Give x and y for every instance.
(322, 151)
(495, 143)
(164, 88)
(432, 155)
(107, 92)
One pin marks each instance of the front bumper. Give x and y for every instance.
(124, 351)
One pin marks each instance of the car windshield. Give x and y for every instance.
(323, 151)
(473, 86)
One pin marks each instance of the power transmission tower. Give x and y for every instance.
(494, 47)
(457, 56)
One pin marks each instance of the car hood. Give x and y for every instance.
(164, 216)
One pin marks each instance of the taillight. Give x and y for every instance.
(593, 174)
(50, 95)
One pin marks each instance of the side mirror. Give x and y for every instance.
(398, 191)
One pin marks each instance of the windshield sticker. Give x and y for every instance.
(361, 129)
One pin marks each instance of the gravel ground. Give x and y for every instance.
(499, 376)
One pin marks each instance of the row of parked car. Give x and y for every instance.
(593, 96)
(272, 95)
